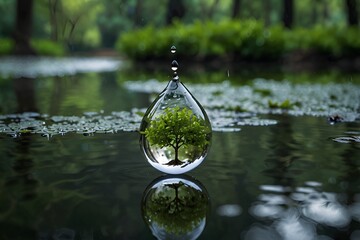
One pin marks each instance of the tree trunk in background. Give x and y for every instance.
(53, 8)
(325, 11)
(267, 12)
(175, 10)
(213, 9)
(23, 27)
(236, 9)
(288, 13)
(352, 15)
(138, 20)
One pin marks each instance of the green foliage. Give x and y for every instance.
(47, 47)
(6, 46)
(41, 46)
(177, 128)
(329, 41)
(237, 40)
(286, 104)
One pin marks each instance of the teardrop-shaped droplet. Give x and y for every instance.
(175, 130)
(174, 65)
(173, 49)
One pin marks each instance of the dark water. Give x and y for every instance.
(290, 180)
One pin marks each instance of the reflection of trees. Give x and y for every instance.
(282, 156)
(19, 189)
(351, 183)
(176, 207)
(25, 94)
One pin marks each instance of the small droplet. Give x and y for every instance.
(174, 65)
(173, 49)
(175, 76)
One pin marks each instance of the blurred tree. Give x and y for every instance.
(175, 10)
(267, 11)
(54, 6)
(115, 18)
(138, 20)
(288, 13)
(7, 10)
(352, 14)
(66, 16)
(236, 8)
(23, 28)
(213, 8)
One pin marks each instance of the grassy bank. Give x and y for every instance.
(41, 46)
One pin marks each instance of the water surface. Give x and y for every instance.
(295, 179)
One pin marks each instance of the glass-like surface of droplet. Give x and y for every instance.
(173, 49)
(175, 130)
(174, 65)
(175, 208)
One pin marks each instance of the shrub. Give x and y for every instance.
(240, 40)
(41, 46)
(6, 46)
(48, 48)
(237, 40)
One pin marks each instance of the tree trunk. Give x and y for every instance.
(175, 10)
(23, 28)
(176, 161)
(267, 12)
(352, 15)
(288, 13)
(177, 153)
(236, 9)
(212, 9)
(53, 6)
(138, 21)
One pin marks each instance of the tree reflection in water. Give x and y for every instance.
(175, 207)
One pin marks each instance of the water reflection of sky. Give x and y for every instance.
(32, 67)
(301, 213)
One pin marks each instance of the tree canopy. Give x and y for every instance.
(177, 128)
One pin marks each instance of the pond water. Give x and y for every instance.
(278, 167)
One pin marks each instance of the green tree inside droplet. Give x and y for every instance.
(178, 128)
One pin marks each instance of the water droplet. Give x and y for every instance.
(174, 65)
(175, 76)
(173, 49)
(175, 130)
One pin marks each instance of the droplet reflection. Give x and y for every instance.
(175, 208)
